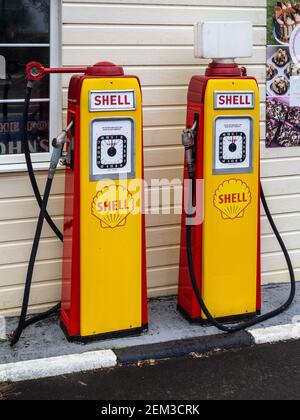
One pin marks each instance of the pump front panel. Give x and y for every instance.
(230, 259)
(111, 221)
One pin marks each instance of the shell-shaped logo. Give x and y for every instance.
(232, 198)
(112, 206)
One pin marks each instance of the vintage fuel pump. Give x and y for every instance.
(104, 262)
(220, 268)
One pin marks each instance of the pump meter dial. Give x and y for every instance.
(112, 152)
(233, 147)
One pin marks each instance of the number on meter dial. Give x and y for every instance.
(112, 152)
(232, 147)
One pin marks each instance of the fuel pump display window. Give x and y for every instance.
(112, 149)
(233, 145)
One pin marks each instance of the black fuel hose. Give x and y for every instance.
(42, 202)
(258, 320)
(42, 316)
(29, 162)
(22, 320)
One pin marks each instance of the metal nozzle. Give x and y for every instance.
(188, 141)
(61, 139)
(188, 136)
(58, 144)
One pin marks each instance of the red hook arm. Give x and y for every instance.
(36, 71)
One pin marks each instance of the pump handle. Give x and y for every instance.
(188, 141)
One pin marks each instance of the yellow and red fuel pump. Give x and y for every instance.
(104, 291)
(104, 271)
(220, 266)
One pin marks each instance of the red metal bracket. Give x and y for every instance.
(36, 71)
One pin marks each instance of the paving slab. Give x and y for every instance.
(46, 339)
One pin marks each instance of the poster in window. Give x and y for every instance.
(283, 74)
(11, 128)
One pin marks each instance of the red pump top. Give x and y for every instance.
(105, 69)
(225, 70)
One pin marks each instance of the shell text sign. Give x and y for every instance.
(112, 206)
(232, 198)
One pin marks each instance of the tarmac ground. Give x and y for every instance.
(266, 372)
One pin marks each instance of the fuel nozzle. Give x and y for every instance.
(188, 141)
(58, 144)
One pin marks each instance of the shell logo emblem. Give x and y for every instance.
(232, 198)
(112, 206)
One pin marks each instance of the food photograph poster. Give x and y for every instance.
(283, 74)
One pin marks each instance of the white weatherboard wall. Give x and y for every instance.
(154, 40)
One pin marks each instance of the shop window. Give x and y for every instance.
(29, 32)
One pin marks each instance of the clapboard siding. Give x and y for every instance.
(16, 203)
(162, 248)
(155, 14)
(154, 40)
(138, 35)
(239, 3)
(162, 230)
(146, 56)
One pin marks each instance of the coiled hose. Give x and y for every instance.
(23, 323)
(251, 323)
(27, 154)
(22, 320)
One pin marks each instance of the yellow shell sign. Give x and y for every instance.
(232, 198)
(112, 206)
